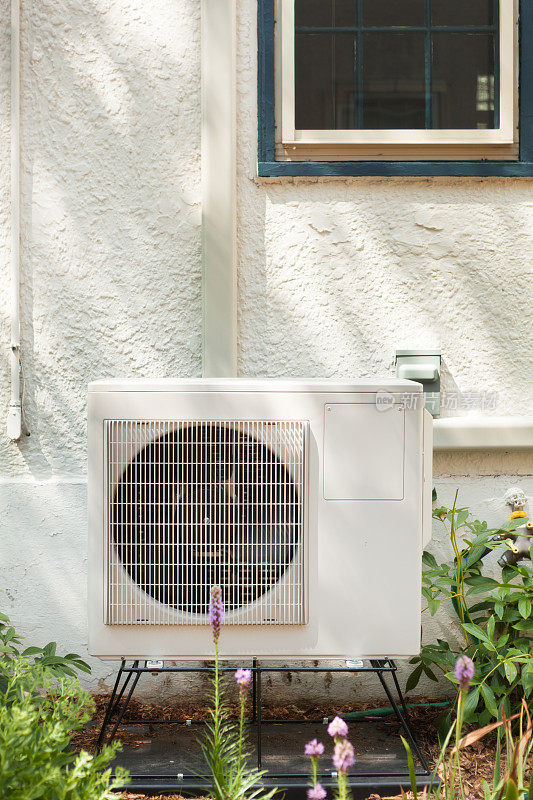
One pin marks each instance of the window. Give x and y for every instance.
(393, 81)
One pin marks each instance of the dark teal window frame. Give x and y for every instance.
(269, 167)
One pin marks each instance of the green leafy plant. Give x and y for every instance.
(38, 716)
(59, 666)
(510, 779)
(224, 744)
(495, 616)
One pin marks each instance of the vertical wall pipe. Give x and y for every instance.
(14, 417)
(219, 187)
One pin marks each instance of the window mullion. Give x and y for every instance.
(428, 46)
(497, 25)
(358, 105)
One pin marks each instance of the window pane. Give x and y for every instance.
(462, 12)
(393, 80)
(324, 13)
(399, 12)
(463, 80)
(324, 81)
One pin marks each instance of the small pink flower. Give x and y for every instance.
(337, 727)
(316, 793)
(216, 611)
(464, 671)
(243, 678)
(316, 748)
(343, 756)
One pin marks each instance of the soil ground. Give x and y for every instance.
(477, 760)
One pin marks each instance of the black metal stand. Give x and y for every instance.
(128, 676)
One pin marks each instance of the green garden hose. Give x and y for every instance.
(388, 710)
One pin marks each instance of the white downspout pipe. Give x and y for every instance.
(14, 417)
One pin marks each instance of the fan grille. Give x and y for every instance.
(195, 503)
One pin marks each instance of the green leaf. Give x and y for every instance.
(498, 610)
(489, 698)
(440, 512)
(508, 573)
(83, 666)
(491, 625)
(511, 790)
(429, 560)
(31, 651)
(502, 640)
(524, 607)
(430, 674)
(510, 670)
(461, 516)
(482, 582)
(50, 649)
(524, 625)
(414, 678)
(497, 758)
(411, 765)
(476, 631)
(428, 594)
(471, 701)
(433, 606)
(526, 680)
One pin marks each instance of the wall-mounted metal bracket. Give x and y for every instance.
(422, 366)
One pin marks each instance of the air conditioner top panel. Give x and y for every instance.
(253, 385)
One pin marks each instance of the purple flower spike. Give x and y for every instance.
(464, 671)
(343, 757)
(337, 727)
(316, 793)
(216, 611)
(315, 748)
(243, 678)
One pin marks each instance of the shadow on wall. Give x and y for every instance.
(110, 209)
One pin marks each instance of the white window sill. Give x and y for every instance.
(483, 433)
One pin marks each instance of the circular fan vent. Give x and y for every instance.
(203, 505)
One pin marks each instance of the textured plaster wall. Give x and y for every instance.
(333, 277)
(110, 210)
(336, 274)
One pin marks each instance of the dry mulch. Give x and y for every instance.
(477, 761)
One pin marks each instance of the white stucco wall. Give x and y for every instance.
(334, 275)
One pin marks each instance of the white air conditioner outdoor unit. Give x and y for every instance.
(308, 501)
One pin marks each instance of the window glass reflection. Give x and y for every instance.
(463, 80)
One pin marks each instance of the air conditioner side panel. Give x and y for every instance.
(96, 520)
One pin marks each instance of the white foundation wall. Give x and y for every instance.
(333, 277)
